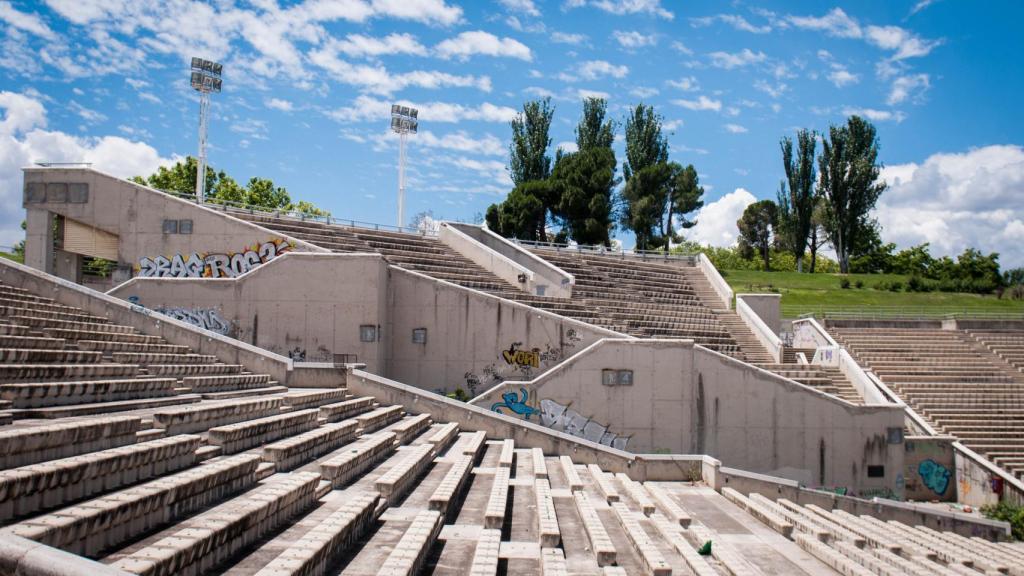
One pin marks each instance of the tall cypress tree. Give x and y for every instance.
(796, 205)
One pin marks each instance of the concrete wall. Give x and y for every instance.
(766, 306)
(930, 468)
(308, 320)
(499, 255)
(767, 334)
(473, 340)
(135, 214)
(687, 399)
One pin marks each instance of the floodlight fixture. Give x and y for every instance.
(404, 121)
(206, 79)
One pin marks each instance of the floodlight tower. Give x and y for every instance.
(206, 79)
(404, 121)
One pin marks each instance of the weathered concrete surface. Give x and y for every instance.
(687, 399)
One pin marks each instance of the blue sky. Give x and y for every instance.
(308, 85)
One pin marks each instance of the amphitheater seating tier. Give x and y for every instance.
(316, 482)
(959, 381)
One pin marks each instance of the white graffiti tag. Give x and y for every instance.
(208, 319)
(564, 419)
(196, 265)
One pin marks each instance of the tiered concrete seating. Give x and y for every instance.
(953, 381)
(58, 361)
(865, 545)
(385, 492)
(314, 398)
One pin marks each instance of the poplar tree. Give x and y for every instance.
(796, 205)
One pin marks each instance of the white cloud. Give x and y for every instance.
(87, 114)
(643, 92)
(368, 109)
(835, 23)
(736, 21)
(729, 61)
(30, 23)
(840, 76)
(773, 90)
(468, 44)
(522, 6)
(279, 104)
(921, 5)
(623, 7)
(701, 103)
(875, 115)
(458, 141)
(716, 221)
(377, 78)
(686, 84)
(956, 201)
(905, 43)
(360, 46)
(681, 48)
(735, 129)
(594, 69)
(566, 38)
(24, 140)
(567, 147)
(632, 39)
(913, 86)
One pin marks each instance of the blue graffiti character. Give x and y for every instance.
(934, 475)
(517, 405)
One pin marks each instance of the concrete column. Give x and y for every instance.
(67, 265)
(39, 239)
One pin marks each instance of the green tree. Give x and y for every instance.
(849, 182)
(647, 176)
(528, 151)
(755, 228)
(645, 144)
(529, 167)
(817, 237)
(685, 196)
(796, 206)
(583, 181)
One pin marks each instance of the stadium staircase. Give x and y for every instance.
(955, 379)
(133, 451)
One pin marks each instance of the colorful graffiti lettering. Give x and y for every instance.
(934, 475)
(198, 265)
(516, 357)
(515, 403)
(207, 319)
(564, 419)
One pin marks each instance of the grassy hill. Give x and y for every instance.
(803, 293)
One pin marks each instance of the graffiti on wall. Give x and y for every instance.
(520, 357)
(519, 363)
(213, 265)
(565, 419)
(935, 476)
(206, 318)
(515, 403)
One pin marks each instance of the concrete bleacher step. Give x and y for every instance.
(29, 445)
(44, 394)
(199, 418)
(203, 542)
(107, 522)
(29, 372)
(224, 383)
(105, 407)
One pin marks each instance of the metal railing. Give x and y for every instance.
(605, 250)
(899, 312)
(229, 205)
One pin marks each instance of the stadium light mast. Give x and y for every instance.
(206, 79)
(404, 121)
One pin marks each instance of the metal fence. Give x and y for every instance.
(899, 312)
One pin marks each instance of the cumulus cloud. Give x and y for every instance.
(30, 23)
(279, 104)
(716, 221)
(522, 6)
(566, 38)
(377, 79)
(622, 7)
(901, 42)
(875, 115)
(361, 46)
(686, 84)
(24, 140)
(631, 40)
(842, 77)
(736, 21)
(735, 129)
(913, 86)
(701, 103)
(729, 61)
(596, 69)
(959, 200)
(468, 44)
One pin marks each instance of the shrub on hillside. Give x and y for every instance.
(1007, 513)
(895, 286)
(844, 283)
(918, 284)
(858, 284)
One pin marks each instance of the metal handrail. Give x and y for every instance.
(297, 215)
(602, 249)
(899, 312)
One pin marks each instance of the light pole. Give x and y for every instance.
(404, 121)
(206, 79)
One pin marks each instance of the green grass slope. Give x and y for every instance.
(806, 293)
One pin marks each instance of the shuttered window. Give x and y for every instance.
(83, 239)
